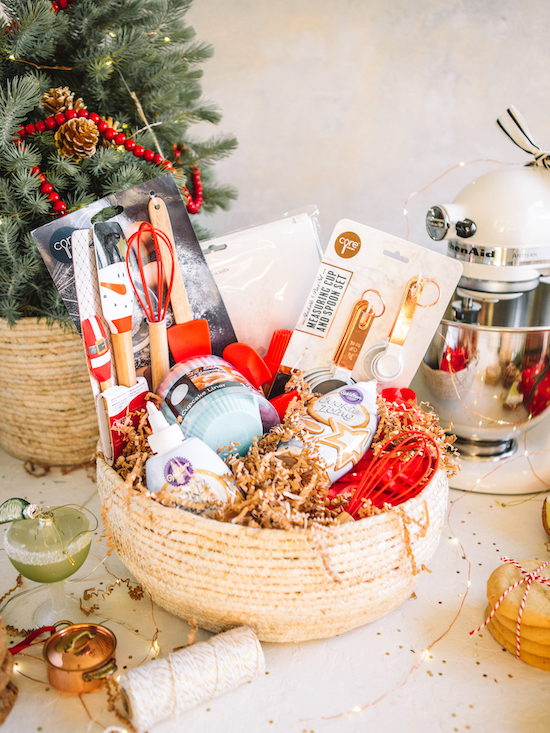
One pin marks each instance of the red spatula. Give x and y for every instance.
(189, 339)
(247, 360)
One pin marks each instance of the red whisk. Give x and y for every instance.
(152, 274)
(398, 472)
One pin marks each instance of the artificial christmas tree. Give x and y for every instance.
(95, 97)
(133, 61)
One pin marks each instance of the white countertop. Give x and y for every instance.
(376, 678)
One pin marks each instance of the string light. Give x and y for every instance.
(166, 39)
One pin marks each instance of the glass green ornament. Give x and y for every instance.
(48, 548)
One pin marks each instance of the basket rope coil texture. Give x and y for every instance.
(47, 411)
(286, 585)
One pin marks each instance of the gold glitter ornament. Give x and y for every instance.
(77, 138)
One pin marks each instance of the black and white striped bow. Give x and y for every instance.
(514, 126)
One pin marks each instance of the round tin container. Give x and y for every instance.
(80, 657)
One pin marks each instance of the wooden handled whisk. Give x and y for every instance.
(154, 292)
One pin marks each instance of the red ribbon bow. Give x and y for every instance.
(528, 578)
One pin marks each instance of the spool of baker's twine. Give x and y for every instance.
(166, 687)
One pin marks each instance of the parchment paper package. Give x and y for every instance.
(264, 273)
(358, 258)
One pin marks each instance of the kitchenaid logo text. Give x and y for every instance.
(347, 244)
(471, 251)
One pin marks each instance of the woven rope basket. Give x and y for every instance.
(286, 585)
(47, 412)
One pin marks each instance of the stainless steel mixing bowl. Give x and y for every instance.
(490, 380)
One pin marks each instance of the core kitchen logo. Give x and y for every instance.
(60, 245)
(347, 244)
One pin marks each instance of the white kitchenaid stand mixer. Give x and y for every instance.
(498, 329)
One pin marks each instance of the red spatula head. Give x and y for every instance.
(250, 364)
(189, 339)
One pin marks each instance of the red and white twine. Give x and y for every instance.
(528, 578)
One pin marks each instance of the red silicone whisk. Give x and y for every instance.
(397, 473)
(153, 275)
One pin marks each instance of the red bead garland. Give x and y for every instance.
(58, 5)
(193, 206)
(110, 134)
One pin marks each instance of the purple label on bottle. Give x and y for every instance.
(351, 396)
(178, 471)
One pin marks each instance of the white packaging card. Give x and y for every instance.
(357, 259)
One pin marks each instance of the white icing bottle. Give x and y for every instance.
(342, 425)
(186, 467)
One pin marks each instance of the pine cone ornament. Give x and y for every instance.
(104, 143)
(61, 99)
(77, 138)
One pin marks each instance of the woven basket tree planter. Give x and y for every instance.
(47, 411)
(286, 585)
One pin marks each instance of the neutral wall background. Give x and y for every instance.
(354, 105)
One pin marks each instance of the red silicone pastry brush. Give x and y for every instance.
(277, 347)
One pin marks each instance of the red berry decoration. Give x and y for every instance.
(110, 134)
(55, 6)
(63, 4)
